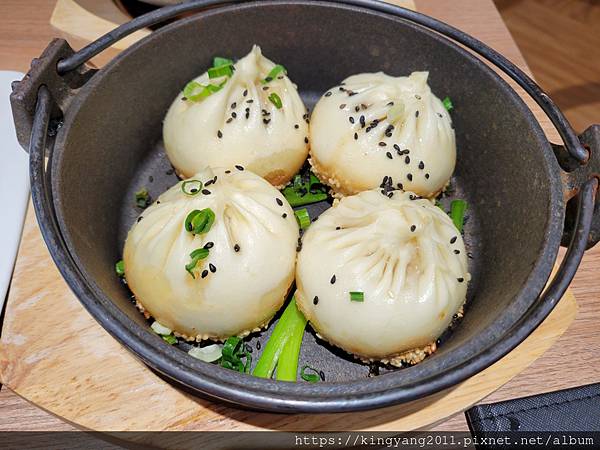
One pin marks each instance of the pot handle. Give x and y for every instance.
(60, 88)
(575, 176)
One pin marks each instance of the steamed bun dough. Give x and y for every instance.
(240, 125)
(247, 274)
(404, 255)
(375, 125)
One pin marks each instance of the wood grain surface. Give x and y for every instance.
(572, 361)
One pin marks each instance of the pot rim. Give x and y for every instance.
(524, 313)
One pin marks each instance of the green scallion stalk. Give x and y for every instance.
(219, 61)
(457, 213)
(287, 366)
(225, 70)
(357, 296)
(310, 377)
(191, 187)
(303, 218)
(120, 268)
(273, 73)
(291, 323)
(276, 100)
(448, 104)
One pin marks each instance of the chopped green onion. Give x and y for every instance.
(170, 339)
(273, 73)
(303, 192)
(164, 332)
(357, 296)
(291, 324)
(196, 255)
(120, 268)
(457, 213)
(276, 100)
(448, 104)
(439, 205)
(210, 353)
(220, 71)
(231, 348)
(310, 377)
(303, 218)
(232, 353)
(199, 221)
(298, 181)
(219, 61)
(195, 91)
(159, 328)
(142, 198)
(191, 187)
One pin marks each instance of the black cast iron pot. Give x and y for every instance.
(101, 130)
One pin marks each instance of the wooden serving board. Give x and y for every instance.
(55, 355)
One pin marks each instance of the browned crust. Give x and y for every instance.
(342, 187)
(202, 337)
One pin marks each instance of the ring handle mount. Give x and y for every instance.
(574, 177)
(61, 88)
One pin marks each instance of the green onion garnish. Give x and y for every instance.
(232, 353)
(357, 296)
(289, 328)
(164, 332)
(142, 198)
(304, 191)
(303, 218)
(273, 73)
(159, 328)
(195, 91)
(120, 268)
(276, 100)
(287, 366)
(191, 187)
(448, 104)
(199, 221)
(310, 377)
(209, 353)
(439, 205)
(220, 71)
(170, 339)
(219, 61)
(457, 213)
(196, 255)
